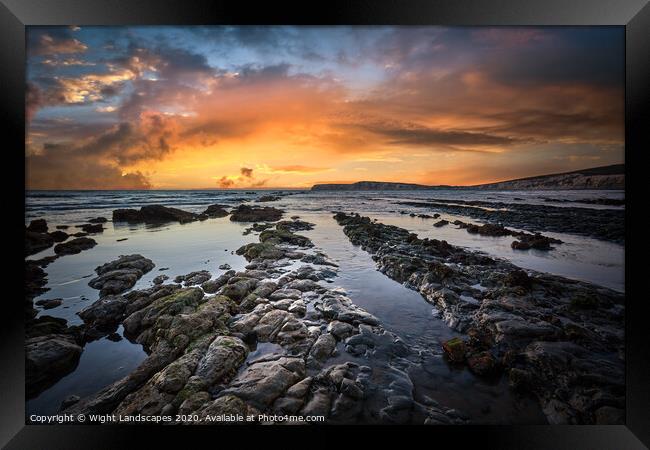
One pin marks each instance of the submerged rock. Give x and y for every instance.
(37, 242)
(74, 246)
(245, 213)
(215, 211)
(154, 214)
(37, 226)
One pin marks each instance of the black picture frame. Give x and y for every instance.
(634, 15)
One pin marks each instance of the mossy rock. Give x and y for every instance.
(455, 349)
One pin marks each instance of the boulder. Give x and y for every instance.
(245, 213)
(74, 246)
(154, 214)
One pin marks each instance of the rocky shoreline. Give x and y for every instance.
(605, 224)
(557, 339)
(279, 338)
(270, 339)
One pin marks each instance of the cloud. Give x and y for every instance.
(416, 135)
(51, 44)
(296, 168)
(245, 171)
(225, 182)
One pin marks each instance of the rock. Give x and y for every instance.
(323, 347)
(441, 223)
(223, 357)
(47, 359)
(215, 211)
(154, 214)
(160, 279)
(225, 267)
(265, 250)
(340, 330)
(37, 226)
(238, 288)
(74, 246)
(194, 278)
(212, 286)
(62, 227)
(482, 363)
(92, 228)
(318, 259)
(59, 236)
(37, 242)
(121, 274)
(520, 245)
(318, 405)
(105, 313)
(518, 278)
(298, 307)
(98, 220)
(134, 261)
(268, 198)
(263, 382)
(50, 303)
(455, 349)
(115, 281)
(245, 213)
(282, 236)
(69, 401)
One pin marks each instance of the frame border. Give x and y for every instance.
(633, 14)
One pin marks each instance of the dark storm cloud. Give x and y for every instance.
(565, 57)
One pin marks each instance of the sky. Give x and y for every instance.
(287, 107)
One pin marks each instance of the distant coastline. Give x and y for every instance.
(604, 177)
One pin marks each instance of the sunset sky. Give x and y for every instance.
(270, 107)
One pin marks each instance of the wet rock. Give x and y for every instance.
(154, 214)
(92, 228)
(482, 363)
(212, 286)
(245, 213)
(74, 246)
(47, 359)
(121, 274)
(37, 242)
(323, 347)
(454, 349)
(105, 313)
(194, 278)
(341, 308)
(37, 226)
(215, 211)
(268, 198)
(160, 279)
(441, 223)
(59, 236)
(237, 288)
(224, 356)
(263, 382)
(318, 259)
(69, 401)
(265, 250)
(225, 267)
(50, 303)
(282, 236)
(98, 220)
(340, 330)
